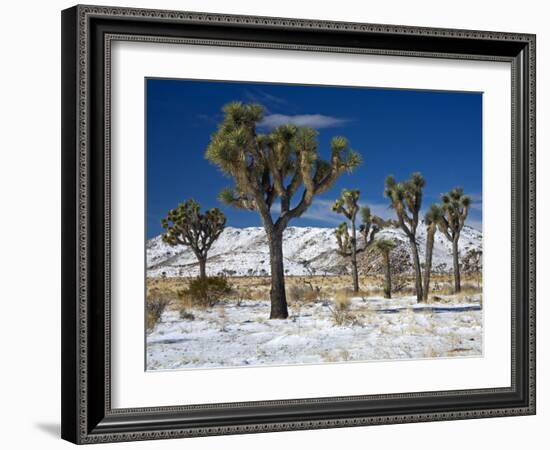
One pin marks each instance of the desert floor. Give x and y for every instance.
(237, 332)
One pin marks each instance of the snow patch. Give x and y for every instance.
(382, 330)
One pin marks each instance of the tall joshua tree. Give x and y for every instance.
(455, 211)
(347, 204)
(185, 225)
(433, 221)
(267, 167)
(385, 246)
(406, 200)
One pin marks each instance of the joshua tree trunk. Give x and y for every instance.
(278, 294)
(202, 267)
(428, 265)
(387, 272)
(456, 265)
(354, 274)
(417, 270)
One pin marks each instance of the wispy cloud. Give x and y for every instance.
(266, 99)
(303, 120)
(210, 118)
(477, 202)
(382, 210)
(321, 211)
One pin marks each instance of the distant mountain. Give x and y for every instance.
(307, 250)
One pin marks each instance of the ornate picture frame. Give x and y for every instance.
(87, 413)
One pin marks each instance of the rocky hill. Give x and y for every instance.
(307, 251)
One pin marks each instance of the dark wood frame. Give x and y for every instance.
(87, 32)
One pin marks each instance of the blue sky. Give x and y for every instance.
(396, 131)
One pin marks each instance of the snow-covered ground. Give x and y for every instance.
(231, 335)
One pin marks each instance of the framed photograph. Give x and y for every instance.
(281, 224)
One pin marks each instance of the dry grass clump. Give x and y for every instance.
(239, 295)
(255, 293)
(222, 318)
(368, 315)
(342, 300)
(337, 355)
(466, 289)
(340, 310)
(156, 304)
(371, 291)
(302, 294)
(462, 297)
(299, 295)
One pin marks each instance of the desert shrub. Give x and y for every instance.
(299, 295)
(304, 293)
(205, 292)
(296, 293)
(222, 318)
(342, 300)
(340, 310)
(156, 304)
(239, 294)
(314, 293)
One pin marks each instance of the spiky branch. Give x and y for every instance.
(370, 225)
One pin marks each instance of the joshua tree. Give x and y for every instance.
(406, 199)
(432, 220)
(473, 263)
(347, 244)
(277, 165)
(455, 211)
(385, 246)
(185, 225)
